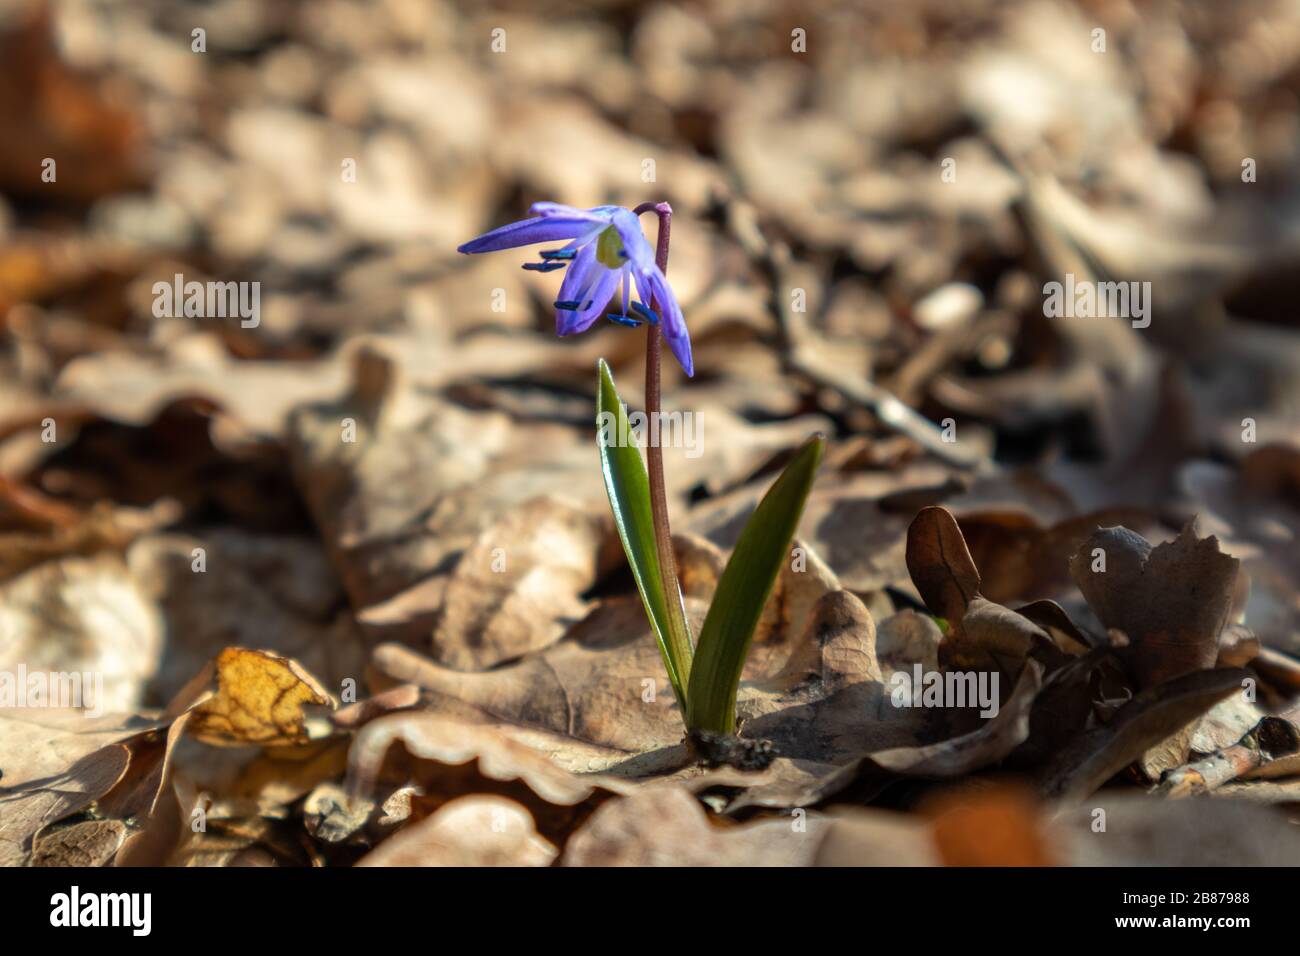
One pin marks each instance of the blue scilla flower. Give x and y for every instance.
(605, 248)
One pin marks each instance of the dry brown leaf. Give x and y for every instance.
(56, 763)
(826, 706)
(940, 564)
(664, 825)
(50, 110)
(518, 587)
(85, 617)
(1172, 601)
(103, 528)
(989, 743)
(275, 592)
(982, 636)
(1098, 754)
(479, 830)
(260, 699)
(501, 752)
(87, 843)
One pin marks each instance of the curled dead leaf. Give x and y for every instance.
(478, 830)
(1171, 600)
(259, 700)
(940, 564)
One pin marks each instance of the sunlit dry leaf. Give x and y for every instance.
(84, 618)
(56, 763)
(50, 110)
(664, 825)
(258, 396)
(259, 700)
(518, 587)
(553, 769)
(89, 843)
(471, 831)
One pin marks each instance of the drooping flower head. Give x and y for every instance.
(606, 248)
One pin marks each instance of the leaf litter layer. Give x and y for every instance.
(348, 576)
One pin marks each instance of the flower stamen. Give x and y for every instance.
(647, 313)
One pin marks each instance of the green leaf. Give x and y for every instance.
(742, 591)
(628, 488)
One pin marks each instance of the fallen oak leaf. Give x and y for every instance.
(588, 687)
(1172, 601)
(86, 617)
(145, 796)
(431, 758)
(502, 752)
(259, 700)
(825, 708)
(519, 585)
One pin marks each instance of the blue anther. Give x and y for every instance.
(650, 315)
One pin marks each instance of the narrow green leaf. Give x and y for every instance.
(628, 488)
(742, 591)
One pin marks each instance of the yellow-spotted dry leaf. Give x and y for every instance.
(259, 700)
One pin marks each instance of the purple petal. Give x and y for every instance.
(635, 243)
(578, 278)
(655, 290)
(555, 210)
(526, 232)
(570, 323)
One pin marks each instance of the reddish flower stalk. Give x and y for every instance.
(654, 453)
